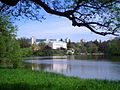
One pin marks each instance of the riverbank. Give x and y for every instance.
(23, 79)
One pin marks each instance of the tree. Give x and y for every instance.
(24, 42)
(100, 16)
(83, 48)
(43, 51)
(103, 47)
(114, 47)
(92, 48)
(9, 47)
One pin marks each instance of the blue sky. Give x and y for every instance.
(56, 28)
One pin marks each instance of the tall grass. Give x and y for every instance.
(21, 79)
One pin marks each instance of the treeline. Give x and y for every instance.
(110, 47)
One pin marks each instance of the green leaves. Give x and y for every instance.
(9, 47)
(93, 14)
(114, 47)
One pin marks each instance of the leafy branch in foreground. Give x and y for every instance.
(100, 16)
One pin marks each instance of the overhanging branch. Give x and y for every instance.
(70, 14)
(101, 33)
(48, 9)
(10, 2)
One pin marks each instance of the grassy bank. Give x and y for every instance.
(20, 79)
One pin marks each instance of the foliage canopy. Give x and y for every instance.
(100, 16)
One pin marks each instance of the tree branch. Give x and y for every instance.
(48, 9)
(97, 24)
(10, 2)
(101, 33)
(79, 3)
(70, 14)
(85, 24)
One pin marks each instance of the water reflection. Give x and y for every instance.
(100, 69)
(49, 65)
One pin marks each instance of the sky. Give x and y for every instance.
(54, 27)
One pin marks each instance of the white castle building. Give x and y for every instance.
(57, 44)
(53, 43)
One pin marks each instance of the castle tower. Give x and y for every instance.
(33, 40)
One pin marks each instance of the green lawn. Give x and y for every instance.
(22, 79)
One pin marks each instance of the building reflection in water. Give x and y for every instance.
(41, 67)
(56, 65)
(60, 67)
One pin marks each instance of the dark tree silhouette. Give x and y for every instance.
(100, 16)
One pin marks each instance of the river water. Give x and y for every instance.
(96, 67)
